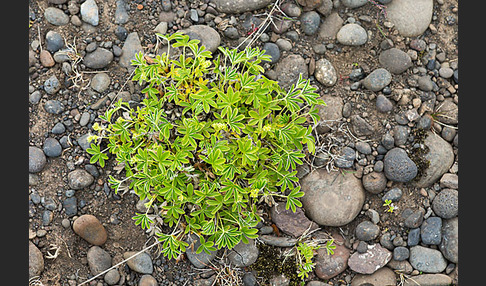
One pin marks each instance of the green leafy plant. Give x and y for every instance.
(209, 142)
(305, 253)
(389, 204)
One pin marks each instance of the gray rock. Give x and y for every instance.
(98, 259)
(450, 239)
(36, 261)
(377, 79)
(388, 141)
(330, 27)
(369, 262)
(383, 104)
(398, 167)
(448, 112)
(53, 107)
(89, 12)
(325, 72)
(346, 158)
(401, 253)
(400, 134)
(360, 126)
(401, 266)
(70, 206)
(310, 22)
(83, 141)
(141, 263)
(112, 277)
(201, 260)
(413, 237)
(430, 230)
(414, 219)
(243, 255)
(37, 159)
(240, 6)
(410, 17)
(446, 72)
(425, 83)
(352, 35)
(383, 276)
(161, 28)
(51, 147)
(100, 82)
(331, 198)
(273, 51)
(395, 60)
(121, 14)
(52, 85)
(429, 280)
(249, 279)
(283, 44)
(35, 97)
(366, 231)
(47, 217)
(98, 59)
(208, 36)
(446, 203)
(329, 114)
(354, 3)
(293, 224)
(79, 179)
(440, 158)
(387, 241)
(326, 8)
(363, 147)
(131, 47)
(56, 16)
(279, 241)
(231, 33)
(54, 41)
(289, 68)
(394, 195)
(374, 182)
(291, 9)
(427, 260)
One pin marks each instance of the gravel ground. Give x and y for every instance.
(388, 72)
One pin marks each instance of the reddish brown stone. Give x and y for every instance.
(90, 229)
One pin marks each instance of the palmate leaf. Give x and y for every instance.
(292, 201)
(143, 220)
(286, 180)
(97, 155)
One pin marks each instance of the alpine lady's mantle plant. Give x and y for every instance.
(236, 143)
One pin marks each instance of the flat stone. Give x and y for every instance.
(240, 6)
(98, 260)
(279, 241)
(369, 262)
(293, 224)
(352, 35)
(354, 3)
(330, 27)
(427, 260)
(46, 59)
(398, 167)
(360, 126)
(346, 158)
(131, 47)
(401, 253)
(382, 277)
(121, 14)
(401, 266)
(428, 280)
(90, 229)
(430, 230)
(52, 85)
(450, 239)
(394, 195)
(36, 260)
(79, 179)
(329, 266)
(395, 60)
(448, 112)
(243, 255)
(383, 104)
(329, 114)
(100, 82)
(325, 72)
(410, 17)
(112, 277)
(331, 198)
(440, 158)
(52, 147)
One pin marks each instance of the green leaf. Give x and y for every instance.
(97, 155)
